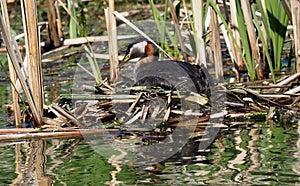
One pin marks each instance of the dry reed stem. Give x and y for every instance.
(296, 28)
(252, 38)
(33, 53)
(59, 57)
(114, 97)
(285, 82)
(293, 90)
(12, 73)
(112, 41)
(197, 17)
(24, 134)
(61, 113)
(274, 96)
(177, 30)
(90, 39)
(13, 54)
(59, 22)
(52, 24)
(132, 106)
(63, 5)
(237, 58)
(20, 47)
(287, 8)
(215, 45)
(31, 130)
(265, 38)
(19, 137)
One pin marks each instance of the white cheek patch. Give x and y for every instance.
(138, 48)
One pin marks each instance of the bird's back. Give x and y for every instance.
(170, 74)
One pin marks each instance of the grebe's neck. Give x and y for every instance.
(144, 60)
(147, 59)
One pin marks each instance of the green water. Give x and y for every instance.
(253, 155)
(249, 154)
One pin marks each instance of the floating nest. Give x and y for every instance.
(141, 106)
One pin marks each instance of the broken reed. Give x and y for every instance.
(33, 56)
(12, 73)
(295, 11)
(33, 86)
(111, 26)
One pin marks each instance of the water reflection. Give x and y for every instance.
(256, 155)
(296, 166)
(30, 163)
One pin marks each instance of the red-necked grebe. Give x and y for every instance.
(167, 74)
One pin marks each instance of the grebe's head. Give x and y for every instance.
(140, 49)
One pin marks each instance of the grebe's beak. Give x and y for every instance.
(124, 60)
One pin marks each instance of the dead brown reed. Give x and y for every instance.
(197, 18)
(112, 41)
(215, 45)
(16, 60)
(177, 30)
(33, 56)
(53, 24)
(12, 73)
(296, 28)
(234, 26)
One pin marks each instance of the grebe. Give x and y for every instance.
(167, 74)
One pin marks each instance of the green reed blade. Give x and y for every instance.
(73, 20)
(278, 21)
(162, 29)
(249, 63)
(93, 64)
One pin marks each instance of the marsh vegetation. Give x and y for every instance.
(73, 90)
